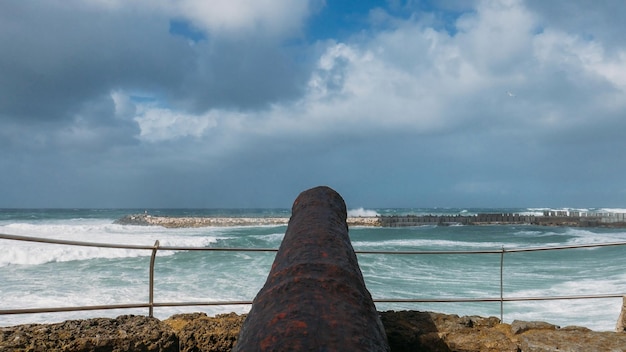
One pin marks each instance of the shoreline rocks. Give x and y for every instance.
(181, 222)
(124, 333)
(406, 331)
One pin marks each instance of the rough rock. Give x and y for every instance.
(571, 340)
(518, 326)
(426, 331)
(124, 333)
(406, 331)
(199, 332)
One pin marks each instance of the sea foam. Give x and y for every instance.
(94, 231)
(361, 212)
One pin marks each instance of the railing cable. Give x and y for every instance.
(151, 304)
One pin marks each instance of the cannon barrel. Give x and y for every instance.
(315, 297)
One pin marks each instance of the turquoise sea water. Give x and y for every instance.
(36, 275)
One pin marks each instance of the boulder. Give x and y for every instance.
(427, 331)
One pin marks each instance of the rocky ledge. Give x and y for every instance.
(406, 331)
(179, 222)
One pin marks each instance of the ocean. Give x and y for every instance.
(36, 275)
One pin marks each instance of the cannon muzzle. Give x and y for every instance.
(315, 297)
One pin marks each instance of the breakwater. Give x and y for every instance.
(192, 221)
(548, 218)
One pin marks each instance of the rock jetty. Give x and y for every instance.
(549, 218)
(557, 219)
(180, 222)
(406, 331)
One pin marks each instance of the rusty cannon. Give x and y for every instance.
(315, 297)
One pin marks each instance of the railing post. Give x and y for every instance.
(151, 293)
(502, 285)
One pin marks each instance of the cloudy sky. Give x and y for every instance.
(246, 103)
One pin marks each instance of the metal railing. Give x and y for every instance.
(156, 247)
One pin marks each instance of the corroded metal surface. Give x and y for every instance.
(314, 298)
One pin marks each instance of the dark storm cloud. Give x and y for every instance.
(57, 57)
(244, 73)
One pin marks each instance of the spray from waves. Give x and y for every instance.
(611, 210)
(31, 253)
(540, 211)
(28, 253)
(427, 243)
(361, 212)
(273, 238)
(44, 253)
(583, 237)
(534, 211)
(569, 313)
(534, 233)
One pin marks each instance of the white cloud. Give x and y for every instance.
(160, 124)
(123, 105)
(496, 35)
(269, 16)
(411, 78)
(559, 48)
(414, 79)
(258, 17)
